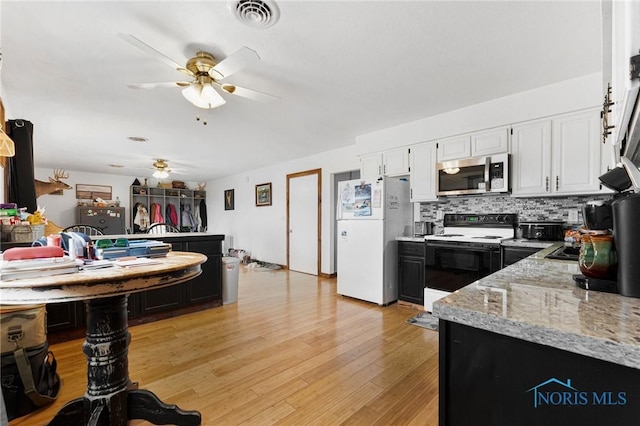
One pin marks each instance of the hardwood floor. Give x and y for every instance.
(290, 352)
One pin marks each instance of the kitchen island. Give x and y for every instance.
(67, 321)
(525, 346)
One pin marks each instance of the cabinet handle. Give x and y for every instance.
(546, 184)
(557, 183)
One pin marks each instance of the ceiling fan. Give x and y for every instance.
(205, 72)
(161, 169)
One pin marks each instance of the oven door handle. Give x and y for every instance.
(463, 248)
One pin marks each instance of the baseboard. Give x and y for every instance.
(411, 305)
(325, 275)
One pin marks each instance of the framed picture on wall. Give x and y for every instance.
(228, 199)
(263, 194)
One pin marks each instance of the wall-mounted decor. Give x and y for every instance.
(228, 199)
(263, 194)
(55, 184)
(91, 192)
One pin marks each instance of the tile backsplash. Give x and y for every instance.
(527, 209)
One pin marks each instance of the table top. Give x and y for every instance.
(175, 268)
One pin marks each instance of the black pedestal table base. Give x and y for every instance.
(111, 398)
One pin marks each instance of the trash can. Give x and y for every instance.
(230, 272)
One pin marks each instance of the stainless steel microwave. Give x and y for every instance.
(479, 175)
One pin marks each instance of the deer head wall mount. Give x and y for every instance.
(55, 183)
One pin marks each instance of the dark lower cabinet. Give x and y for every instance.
(411, 263)
(492, 379)
(161, 299)
(65, 316)
(65, 320)
(203, 288)
(511, 255)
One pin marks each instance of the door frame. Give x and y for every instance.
(317, 172)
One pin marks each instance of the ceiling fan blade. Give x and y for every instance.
(236, 61)
(133, 40)
(248, 93)
(157, 85)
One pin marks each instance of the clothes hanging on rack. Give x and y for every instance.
(156, 213)
(202, 210)
(172, 214)
(141, 219)
(188, 221)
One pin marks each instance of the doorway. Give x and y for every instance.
(304, 191)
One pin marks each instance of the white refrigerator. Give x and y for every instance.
(371, 214)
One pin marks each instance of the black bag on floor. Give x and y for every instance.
(29, 378)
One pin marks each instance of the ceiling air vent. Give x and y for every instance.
(255, 13)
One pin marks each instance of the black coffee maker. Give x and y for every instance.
(626, 226)
(626, 231)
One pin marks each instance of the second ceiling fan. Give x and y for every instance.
(205, 72)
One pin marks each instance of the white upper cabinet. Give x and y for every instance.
(395, 162)
(480, 144)
(454, 148)
(576, 153)
(494, 141)
(559, 156)
(389, 163)
(371, 165)
(531, 158)
(423, 172)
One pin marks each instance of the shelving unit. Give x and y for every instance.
(163, 197)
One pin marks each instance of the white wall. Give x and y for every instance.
(262, 230)
(570, 95)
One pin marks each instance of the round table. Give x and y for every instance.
(111, 398)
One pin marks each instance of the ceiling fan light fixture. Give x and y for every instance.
(203, 95)
(160, 174)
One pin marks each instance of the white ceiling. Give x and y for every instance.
(341, 69)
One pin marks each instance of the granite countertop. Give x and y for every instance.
(523, 242)
(537, 300)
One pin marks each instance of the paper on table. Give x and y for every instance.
(128, 262)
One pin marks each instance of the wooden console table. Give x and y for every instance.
(111, 398)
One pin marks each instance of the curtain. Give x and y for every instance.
(22, 186)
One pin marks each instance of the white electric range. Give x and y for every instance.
(468, 249)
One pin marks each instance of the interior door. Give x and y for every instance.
(303, 218)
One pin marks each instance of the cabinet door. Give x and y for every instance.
(411, 279)
(531, 158)
(494, 141)
(65, 316)
(454, 148)
(396, 162)
(576, 153)
(423, 172)
(208, 285)
(371, 165)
